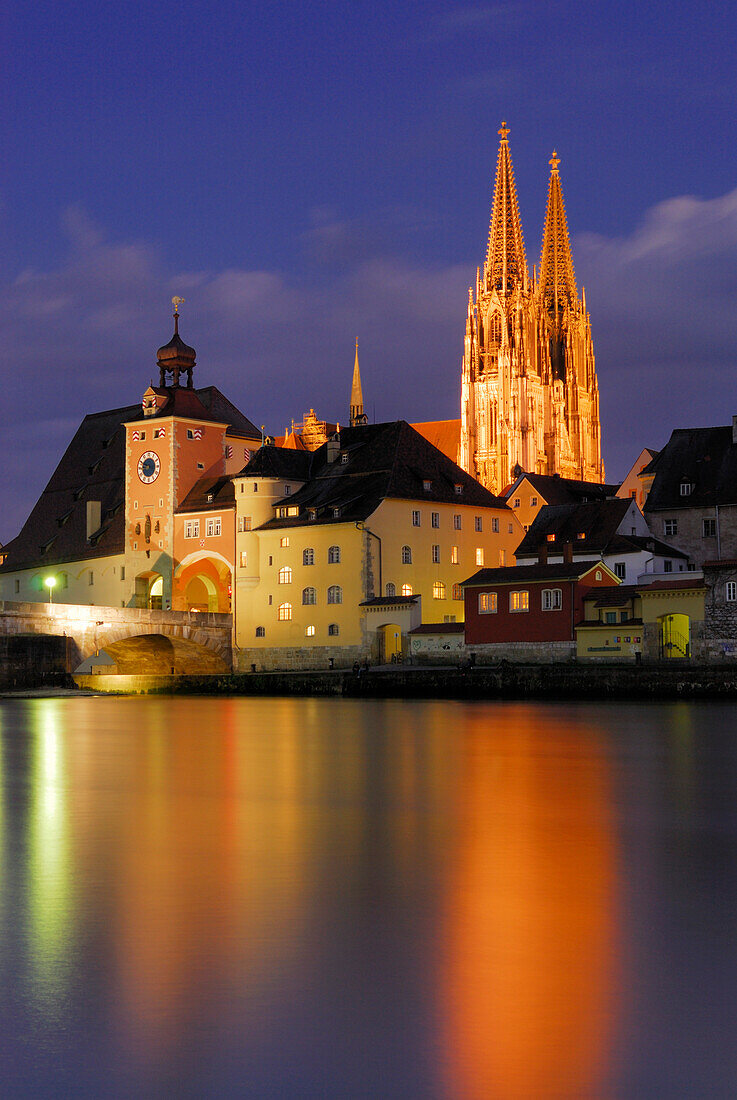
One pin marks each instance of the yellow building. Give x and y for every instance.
(529, 393)
(340, 552)
(660, 621)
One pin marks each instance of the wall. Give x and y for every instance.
(690, 536)
(112, 584)
(525, 652)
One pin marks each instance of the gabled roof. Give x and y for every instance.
(439, 628)
(280, 462)
(443, 434)
(518, 574)
(207, 403)
(705, 459)
(562, 490)
(381, 461)
(208, 494)
(596, 521)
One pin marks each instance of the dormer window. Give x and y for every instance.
(344, 458)
(458, 489)
(209, 498)
(686, 488)
(312, 513)
(336, 513)
(287, 490)
(550, 538)
(581, 535)
(427, 486)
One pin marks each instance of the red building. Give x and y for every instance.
(530, 603)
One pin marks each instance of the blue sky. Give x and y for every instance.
(307, 173)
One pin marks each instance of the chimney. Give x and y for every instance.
(333, 448)
(568, 552)
(542, 553)
(94, 517)
(734, 429)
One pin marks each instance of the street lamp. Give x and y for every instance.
(50, 583)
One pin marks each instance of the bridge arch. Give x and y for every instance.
(203, 581)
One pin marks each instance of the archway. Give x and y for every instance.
(201, 594)
(203, 582)
(149, 591)
(675, 636)
(391, 642)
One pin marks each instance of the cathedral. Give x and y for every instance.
(529, 396)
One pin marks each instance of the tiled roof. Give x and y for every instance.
(667, 586)
(388, 601)
(443, 434)
(562, 490)
(704, 458)
(209, 494)
(207, 403)
(614, 597)
(278, 462)
(597, 521)
(439, 628)
(515, 574)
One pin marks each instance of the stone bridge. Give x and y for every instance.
(133, 639)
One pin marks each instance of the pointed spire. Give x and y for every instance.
(557, 279)
(505, 265)
(357, 414)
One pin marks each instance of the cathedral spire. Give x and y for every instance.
(557, 280)
(505, 265)
(357, 414)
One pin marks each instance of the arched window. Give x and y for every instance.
(335, 594)
(285, 612)
(406, 589)
(495, 330)
(391, 589)
(309, 632)
(334, 555)
(285, 575)
(406, 555)
(333, 630)
(438, 590)
(308, 556)
(309, 595)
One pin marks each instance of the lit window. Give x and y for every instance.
(502, 558)
(519, 601)
(406, 589)
(457, 522)
(708, 528)
(730, 591)
(335, 594)
(284, 542)
(415, 517)
(309, 596)
(260, 631)
(212, 527)
(457, 592)
(334, 555)
(454, 555)
(308, 556)
(391, 589)
(285, 575)
(620, 569)
(479, 555)
(550, 538)
(406, 555)
(478, 523)
(438, 590)
(581, 535)
(670, 527)
(435, 518)
(333, 629)
(552, 599)
(285, 612)
(487, 603)
(309, 632)
(244, 559)
(436, 554)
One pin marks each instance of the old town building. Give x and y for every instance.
(529, 394)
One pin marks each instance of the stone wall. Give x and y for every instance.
(33, 660)
(285, 658)
(523, 652)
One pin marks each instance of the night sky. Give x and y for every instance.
(307, 173)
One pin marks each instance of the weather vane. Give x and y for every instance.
(176, 302)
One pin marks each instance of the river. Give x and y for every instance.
(343, 899)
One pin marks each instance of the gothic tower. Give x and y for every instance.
(529, 396)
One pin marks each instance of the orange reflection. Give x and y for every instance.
(530, 925)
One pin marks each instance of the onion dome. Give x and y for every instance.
(176, 356)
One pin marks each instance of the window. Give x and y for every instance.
(686, 488)
(260, 631)
(287, 490)
(478, 523)
(479, 555)
(406, 555)
(312, 513)
(670, 527)
(620, 569)
(550, 538)
(533, 502)
(17, 585)
(581, 535)
(502, 558)
(212, 526)
(271, 559)
(708, 528)
(336, 513)
(458, 489)
(255, 486)
(285, 575)
(457, 592)
(391, 589)
(335, 594)
(90, 577)
(309, 596)
(244, 523)
(511, 529)
(730, 591)
(308, 556)
(597, 575)
(427, 486)
(436, 554)
(210, 498)
(284, 541)
(495, 525)
(122, 576)
(142, 436)
(159, 433)
(406, 589)
(435, 519)
(333, 629)
(487, 603)
(449, 618)
(552, 599)
(200, 465)
(192, 529)
(517, 502)
(438, 590)
(190, 433)
(415, 517)
(519, 601)
(457, 522)
(610, 616)
(285, 612)
(454, 555)
(667, 566)
(344, 458)
(309, 632)
(623, 617)
(244, 559)
(334, 555)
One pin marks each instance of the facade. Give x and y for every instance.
(634, 486)
(692, 501)
(528, 493)
(659, 621)
(529, 393)
(529, 612)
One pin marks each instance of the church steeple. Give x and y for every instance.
(557, 279)
(176, 357)
(506, 265)
(357, 414)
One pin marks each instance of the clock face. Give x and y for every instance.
(148, 467)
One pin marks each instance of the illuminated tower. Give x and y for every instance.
(529, 396)
(358, 416)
